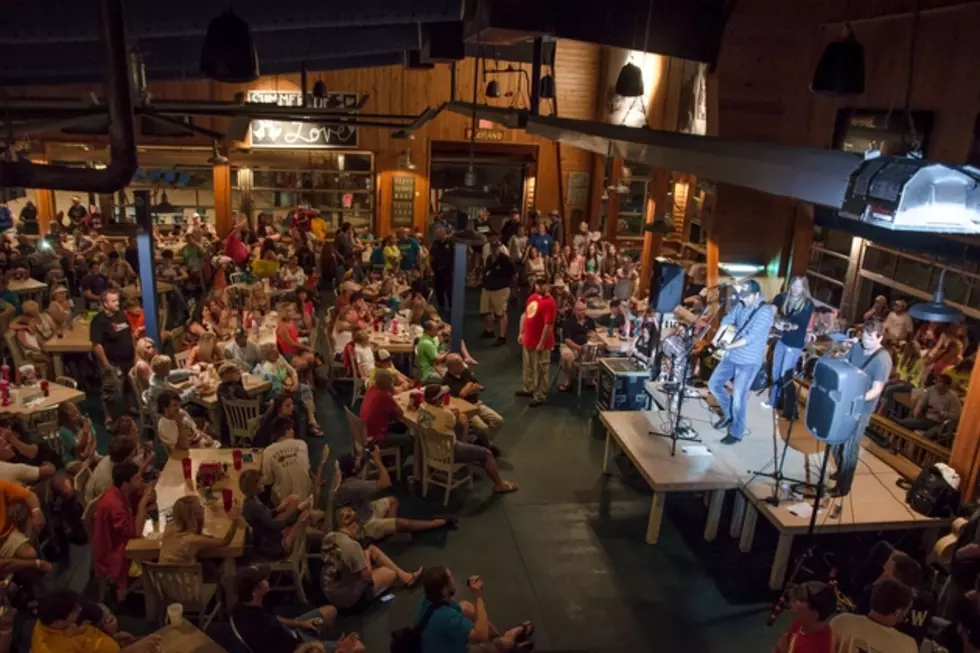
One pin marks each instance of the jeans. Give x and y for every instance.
(305, 636)
(892, 388)
(443, 286)
(846, 456)
(918, 423)
(784, 361)
(733, 406)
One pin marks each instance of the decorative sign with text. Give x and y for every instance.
(296, 134)
(402, 200)
(493, 135)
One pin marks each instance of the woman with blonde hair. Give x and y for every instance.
(274, 528)
(60, 308)
(31, 329)
(353, 575)
(183, 538)
(285, 380)
(206, 350)
(794, 308)
(146, 350)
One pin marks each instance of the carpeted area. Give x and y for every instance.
(567, 550)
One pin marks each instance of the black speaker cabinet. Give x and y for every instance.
(666, 286)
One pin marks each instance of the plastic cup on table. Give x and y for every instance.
(45, 388)
(446, 398)
(226, 497)
(236, 457)
(186, 462)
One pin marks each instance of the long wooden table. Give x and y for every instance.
(57, 394)
(394, 344)
(629, 432)
(76, 340)
(28, 286)
(172, 486)
(186, 638)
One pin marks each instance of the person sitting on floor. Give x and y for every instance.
(183, 538)
(433, 415)
(260, 629)
(58, 631)
(890, 602)
(355, 576)
(813, 604)
(378, 517)
(274, 527)
(486, 422)
(463, 627)
(117, 521)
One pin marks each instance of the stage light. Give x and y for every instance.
(937, 310)
(840, 70)
(229, 54)
(630, 81)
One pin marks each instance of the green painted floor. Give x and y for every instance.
(567, 550)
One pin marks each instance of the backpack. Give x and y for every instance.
(409, 640)
(932, 495)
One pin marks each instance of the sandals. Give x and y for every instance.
(506, 488)
(565, 387)
(416, 577)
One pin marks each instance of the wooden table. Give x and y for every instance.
(27, 286)
(186, 638)
(614, 343)
(629, 431)
(172, 486)
(254, 386)
(395, 344)
(57, 394)
(410, 418)
(76, 340)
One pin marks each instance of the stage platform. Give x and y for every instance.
(876, 503)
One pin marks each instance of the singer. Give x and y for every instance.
(875, 361)
(795, 308)
(752, 319)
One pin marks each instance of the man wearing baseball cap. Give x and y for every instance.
(751, 321)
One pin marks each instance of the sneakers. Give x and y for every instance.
(722, 423)
(730, 439)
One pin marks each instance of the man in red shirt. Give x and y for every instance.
(813, 604)
(117, 522)
(380, 412)
(537, 335)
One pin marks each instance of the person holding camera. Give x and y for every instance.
(452, 626)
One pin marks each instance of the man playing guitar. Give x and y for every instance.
(742, 357)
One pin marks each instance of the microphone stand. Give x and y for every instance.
(675, 427)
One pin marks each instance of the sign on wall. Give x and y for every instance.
(296, 134)
(578, 188)
(402, 200)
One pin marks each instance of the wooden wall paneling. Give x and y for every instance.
(612, 201)
(965, 454)
(653, 243)
(222, 199)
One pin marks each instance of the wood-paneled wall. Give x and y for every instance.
(395, 90)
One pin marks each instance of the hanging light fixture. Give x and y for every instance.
(229, 53)
(403, 135)
(216, 156)
(547, 87)
(630, 81)
(840, 70)
(405, 161)
(493, 89)
(937, 310)
(319, 89)
(664, 223)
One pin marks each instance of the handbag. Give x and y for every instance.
(409, 640)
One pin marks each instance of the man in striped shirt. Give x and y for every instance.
(752, 319)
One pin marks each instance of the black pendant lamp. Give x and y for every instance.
(630, 81)
(319, 89)
(840, 70)
(493, 89)
(229, 53)
(937, 310)
(547, 87)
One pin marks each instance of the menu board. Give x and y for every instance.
(402, 200)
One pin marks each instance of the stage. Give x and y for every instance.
(875, 503)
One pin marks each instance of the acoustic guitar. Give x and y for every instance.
(942, 551)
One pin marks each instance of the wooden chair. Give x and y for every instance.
(81, 480)
(358, 384)
(238, 414)
(88, 523)
(439, 465)
(335, 482)
(17, 355)
(180, 359)
(45, 424)
(67, 381)
(359, 438)
(184, 584)
(295, 566)
(318, 481)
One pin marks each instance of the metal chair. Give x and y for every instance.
(45, 424)
(439, 465)
(359, 438)
(184, 584)
(238, 413)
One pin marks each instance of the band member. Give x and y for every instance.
(870, 357)
(794, 309)
(752, 319)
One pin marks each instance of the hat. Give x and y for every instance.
(818, 596)
(435, 391)
(747, 288)
(384, 355)
(248, 578)
(58, 289)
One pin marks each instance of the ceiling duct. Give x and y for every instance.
(122, 139)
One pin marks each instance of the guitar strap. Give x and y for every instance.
(742, 328)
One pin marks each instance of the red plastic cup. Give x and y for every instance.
(416, 398)
(5, 372)
(446, 398)
(394, 327)
(44, 387)
(186, 462)
(236, 457)
(226, 496)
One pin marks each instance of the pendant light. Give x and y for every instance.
(405, 161)
(493, 89)
(840, 70)
(229, 53)
(319, 89)
(547, 88)
(630, 81)
(937, 310)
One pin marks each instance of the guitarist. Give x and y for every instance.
(752, 320)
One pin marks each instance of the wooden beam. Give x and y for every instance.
(802, 239)
(222, 199)
(652, 244)
(965, 454)
(595, 192)
(612, 204)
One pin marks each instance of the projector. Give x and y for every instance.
(906, 194)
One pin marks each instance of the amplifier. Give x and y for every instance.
(621, 385)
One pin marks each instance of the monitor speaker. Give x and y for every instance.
(836, 400)
(666, 286)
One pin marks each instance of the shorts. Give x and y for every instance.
(378, 526)
(494, 301)
(16, 539)
(465, 453)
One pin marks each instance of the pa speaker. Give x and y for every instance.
(836, 400)
(666, 286)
